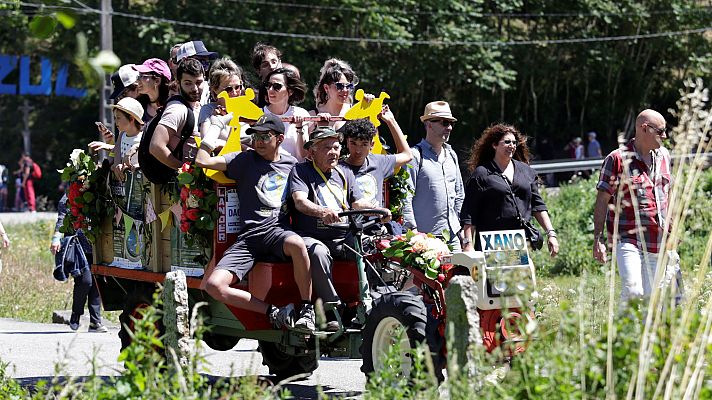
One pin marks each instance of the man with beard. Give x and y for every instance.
(168, 131)
(435, 178)
(319, 189)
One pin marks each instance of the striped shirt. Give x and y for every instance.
(644, 205)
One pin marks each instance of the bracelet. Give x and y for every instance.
(551, 233)
(3, 234)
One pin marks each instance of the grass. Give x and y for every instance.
(28, 291)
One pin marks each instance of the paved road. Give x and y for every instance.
(12, 218)
(33, 349)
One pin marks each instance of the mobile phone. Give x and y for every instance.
(101, 126)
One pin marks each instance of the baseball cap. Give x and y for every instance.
(123, 78)
(155, 65)
(319, 134)
(132, 107)
(267, 122)
(194, 48)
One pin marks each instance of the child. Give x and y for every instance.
(128, 115)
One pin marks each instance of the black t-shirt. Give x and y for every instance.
(338, 195)
(488, 203)
(260, 187)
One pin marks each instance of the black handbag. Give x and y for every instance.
(535, 238)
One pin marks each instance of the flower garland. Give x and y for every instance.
(87, 197)
(398, 190)
(422, 251)
(199, 216)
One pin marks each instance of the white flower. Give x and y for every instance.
(74, 157)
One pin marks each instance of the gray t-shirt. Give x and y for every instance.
(174, 117)
(260, 187)
(370, 176)
(338, 195)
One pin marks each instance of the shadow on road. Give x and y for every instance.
(298, 391)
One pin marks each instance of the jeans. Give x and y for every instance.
(637, 269)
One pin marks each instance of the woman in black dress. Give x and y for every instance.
(502, 188)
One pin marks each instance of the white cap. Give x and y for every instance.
(128, 75)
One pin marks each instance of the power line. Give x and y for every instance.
(443, 43)
(704, 10)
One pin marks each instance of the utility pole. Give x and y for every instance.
(26, 143)
(105, 114)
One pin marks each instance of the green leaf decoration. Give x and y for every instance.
(43, 26)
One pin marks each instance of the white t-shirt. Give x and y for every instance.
(127, 142)
(290, 130)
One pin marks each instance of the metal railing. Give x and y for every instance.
(552, 166)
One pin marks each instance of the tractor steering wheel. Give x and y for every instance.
(353, 224)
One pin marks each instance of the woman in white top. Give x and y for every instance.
(225, 76)
(128, 116)
(283, 90)
(334, 92)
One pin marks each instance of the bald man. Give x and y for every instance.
(638, 173)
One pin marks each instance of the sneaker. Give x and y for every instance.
(282, 316)
(97, 328)
(305, 322)
(73, 325)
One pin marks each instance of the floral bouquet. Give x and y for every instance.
(87, 200)
(422, 251)
(398, 190)
(198, 201)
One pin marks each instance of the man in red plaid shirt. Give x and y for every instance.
(638, 173)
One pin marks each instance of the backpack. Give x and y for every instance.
(154, 170)
(36, 171)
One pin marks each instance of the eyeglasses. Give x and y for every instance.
(262, 137)
(340, 86)
(508, 141)
(658, 131)
(236, 88)
(443, 122)
(273, 85)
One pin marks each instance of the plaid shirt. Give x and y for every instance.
(625, 173)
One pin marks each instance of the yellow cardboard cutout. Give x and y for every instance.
(240, 107)
(371, 110)
(367, 109)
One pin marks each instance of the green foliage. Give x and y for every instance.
(571, 211)
(148, 374)
(398, 190)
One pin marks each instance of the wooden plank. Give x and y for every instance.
(138, 275)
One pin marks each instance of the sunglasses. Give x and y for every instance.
(443, 122)
(344, 86)
(658, 131)
(262, 136)
(236, 88)
(147, 77)
(508, 141)
(273, 85)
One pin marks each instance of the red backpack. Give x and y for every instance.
(36, 171)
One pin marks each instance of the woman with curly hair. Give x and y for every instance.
(333, 93)
(502, 191)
